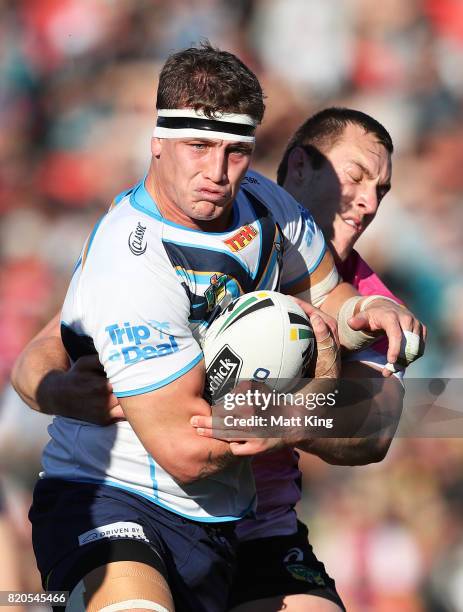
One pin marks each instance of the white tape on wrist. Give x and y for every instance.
(373, 298)
(351, 339)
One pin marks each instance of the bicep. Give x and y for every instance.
(51, 329)
(165, 409)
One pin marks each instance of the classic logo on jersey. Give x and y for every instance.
(216, 291)
(223, 373)
(137, 338)
(242, 238)
(136, 240)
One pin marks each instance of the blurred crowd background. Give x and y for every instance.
(77, 108)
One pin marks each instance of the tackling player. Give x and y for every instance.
(338, 165)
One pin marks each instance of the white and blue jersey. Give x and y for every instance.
(141, 297)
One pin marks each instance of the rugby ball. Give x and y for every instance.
(262, 336)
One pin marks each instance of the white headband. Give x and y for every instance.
(188, 123)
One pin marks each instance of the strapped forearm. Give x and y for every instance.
(367, 425)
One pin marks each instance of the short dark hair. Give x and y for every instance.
(319, 133)
(211, 80)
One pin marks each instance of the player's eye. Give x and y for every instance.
(355, 176)
(240, 151)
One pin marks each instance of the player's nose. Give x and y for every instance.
(216, 166)
(368, 201)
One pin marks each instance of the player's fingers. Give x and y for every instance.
(394, 338)
(306, 306)
(420, 330)
(322, 333)
(243, 448)
(412, 347)
(388, 322)
(320, 328)
(391, 325)
(359, 321)
(208, 433)
(116, 412)
(325, 333)
(201, 421)
(113, 402)
(407, 321)
(417, 328)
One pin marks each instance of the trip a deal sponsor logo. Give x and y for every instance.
(133, 343)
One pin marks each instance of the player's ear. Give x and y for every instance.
(299, 167)
(156, 146)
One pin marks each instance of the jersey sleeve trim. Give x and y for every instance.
(307, 273)
(76, 267)
(161, 383)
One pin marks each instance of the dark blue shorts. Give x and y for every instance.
(280, 565)
(197, 559)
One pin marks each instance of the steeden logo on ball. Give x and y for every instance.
(223, 373)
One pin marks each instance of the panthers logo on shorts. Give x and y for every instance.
(298, 570)
(301, 572)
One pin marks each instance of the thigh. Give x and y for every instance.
(282, 570)
(120, 586)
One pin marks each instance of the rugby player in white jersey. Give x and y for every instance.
(144, 500)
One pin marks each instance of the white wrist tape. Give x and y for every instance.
(350, 339)
(372, 298)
